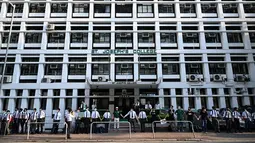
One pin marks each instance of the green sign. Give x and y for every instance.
(119, 51)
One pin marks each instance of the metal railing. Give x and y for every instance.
(91, 127)
(192, 126)
(29, 123)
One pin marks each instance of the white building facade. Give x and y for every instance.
(181, 53)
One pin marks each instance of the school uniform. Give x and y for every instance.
(69, 119)
(33, 119)
(236, 115)
(56, 120)
(95, 116)
(142, 118)
(107, 118)
(16, 122)
(77, 122)
(228, 117)
(87, 121)
(214, 114)
(247, 118)
(41, 119)
(24, 116)
(132, 118)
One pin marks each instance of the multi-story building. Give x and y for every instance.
(181, 53)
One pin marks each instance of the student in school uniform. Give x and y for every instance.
(87, 121)
(16, 121)
(41, 119)
(56, 120)
(214, 114)
(236, 115)
(228, 117)
(132, 118)
(69, 118)
(33, 120)
(24, 116)
(142, 118)
(95, 117)
(107, 118)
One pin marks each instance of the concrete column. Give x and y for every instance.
(206, 71)
(229, 71)
(1, 101)
(161, 99)
(90, 45)
(134, 10)
(111, 99)
(11, 103)
(113, 9)
(91, 11)
(251, 67)
(24, 101)
(157, 41)
(112, 56)
(209, 99)
(198, 100)
(234, 102)
(185, 99)
(87, 97)
(49, 108)
(64, 69)
(37, 102)
(173, 98)
(62, 103)
(136, 57)
(16, 71)
(75, 105)
(222, 100)
(183, 68)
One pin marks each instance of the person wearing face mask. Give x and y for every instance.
(180, 117)
(56, 120)
(132, 118)
(95, 117)
(87, 121)
(203, 117)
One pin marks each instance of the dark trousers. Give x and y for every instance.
(247, 125)
(237, 125)
(106, 125)
(32, 127)
(215, 124)
(190, 125)
(142, 124)
(55, 127)
(40, 125)
(204, 125)
(77, 126)
(94, 126)
(3, 126)
(132, 122)
(180, 125)
(23, 125)
(86, 125)
(228, 125)
(68, 128)
(15, 125)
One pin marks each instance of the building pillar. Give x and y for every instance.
(251, 67)
(37, 102)
(64, 69)
(234, 102)
(49, 108)
(90, 45)
(111, 99)
(185, 99)
(136, 57)
(75, 105)
(1, 101)
(222, 98)
(62, 101)
(112, 56)
(161, 99)
(229, 71)
(11, 103)
(173, 98)
(197, 99)
(87, 97)
(209, 98)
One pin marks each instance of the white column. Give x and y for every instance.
(65, 69)
(183, 68)
(1, 101)
(75, 99)
(16, 72)
(135, 47)
(161, 99)
(37, 102)
(87, 96)
(11, 103)
(198, 99)
(111, 99)
(62, 103)
(112, 9)
(209, 98)
(234, 102)
(173, 97)
(229, 71)
(222, 98)
(251, 67)
(24, 101)
(185, 99)
(90, 45)
(49, 107)
(112, 56)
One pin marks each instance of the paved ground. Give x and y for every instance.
(136, 138)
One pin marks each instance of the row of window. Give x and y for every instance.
(127, 38)
(127, 8)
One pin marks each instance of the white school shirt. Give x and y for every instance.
(142, 115)
(57, 116)
(236, 114)
(34, 116)
(87, 114)
(24, 115)
(69, 117)
(214, 113)
(246, 114)
(148, 106)
(41, 114)
(228, 115)
(157, 106)
(132, 114)
(16, 115)
(95, 115)
(107, 115)
(253, 115)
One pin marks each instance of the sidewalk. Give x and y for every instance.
(124, 137)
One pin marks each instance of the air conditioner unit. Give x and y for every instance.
(193, 78)
(145, 35)
(220, 65)
(29, 35)
(46, 80)
(50, 27)
(142, 65)
(187, 5)
(101, 79)
(212, 35)
(190, 35)
(95, 65)
(63, 5)
(8, 79)
(61, 35)
(123, 35)
(53, 66)
(165, 65)
(194, 66)
(72, 65)
(152, 65)
(41, 5)
(241, 78)
(124, 65)
(213, 5)
(217, 77)
(33, 5)
(96, 34)
(81, 66)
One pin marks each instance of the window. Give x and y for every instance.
(31, 100)
(190, 38)
(145, 9)
(216, 102)
(252, 37)
(29, 69)
(53, 68)
(33, 38)
(77, 69)
(79, 38)
(194, 68)
(37, 8)
(204, 101)
(58, 8)
(179, 101)
(124, 69)
(249, 8)
(124, 8)
(101, 69)
(43, 102)
(14, 38)
(101, 37)
(187, 8)
(217, 68)
(148, 69)
(80, 8)
(123, 37)
(56, 92)
(18, 100)
(18, 8)
(209, 8)
(169, 69)
(146, 38)
(234, 37)
(212, 37)
(192, 102)
(9, 67)
(56, 38)
(230, 8)
(102, 8)
(168, 38)
(240, 68)
(166, 8)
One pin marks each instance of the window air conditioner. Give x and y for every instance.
(194, 66)
(33, 5)
(145, 35)
(55, 35)
(41, 5)
(187, 5)
(8, 79)
(123, 35)
(53, 66)
(81, 66)
(101, 79)
(72, 65)
(212, 35)
(220, 65)
(217, 77)
(46, 80)
(142, 65)
(124, 65)
(54, 5)
(63, 5)
(193, 78)
(152, 65)
(95, 65)
(165, 65)
(50, 27)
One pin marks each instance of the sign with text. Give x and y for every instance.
(121, 52)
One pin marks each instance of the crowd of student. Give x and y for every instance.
(18, 120)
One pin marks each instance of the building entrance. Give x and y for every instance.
(124, 104)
